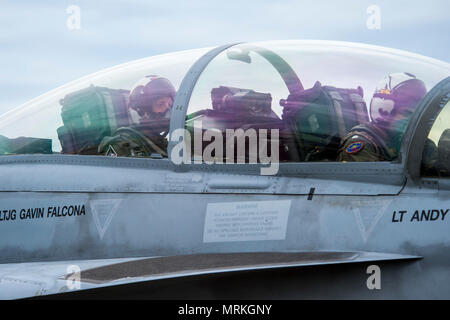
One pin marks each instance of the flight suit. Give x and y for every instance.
(366, 143)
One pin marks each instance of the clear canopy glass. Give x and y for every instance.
(436, 152)
(314, 92)
(74, 118)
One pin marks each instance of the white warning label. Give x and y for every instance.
(246, 221)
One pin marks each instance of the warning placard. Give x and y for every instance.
(246, 221)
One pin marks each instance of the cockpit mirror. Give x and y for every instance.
(240, 55)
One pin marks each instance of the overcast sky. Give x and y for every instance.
(39, 52)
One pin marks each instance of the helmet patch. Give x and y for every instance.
(355, 147)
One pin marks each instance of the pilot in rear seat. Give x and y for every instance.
(393, 103)
(150, 103)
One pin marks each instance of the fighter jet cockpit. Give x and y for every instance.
(306, 101)
(329, 102)
(250, 87)
(76, 118)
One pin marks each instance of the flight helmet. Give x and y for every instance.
(396, 98)
(152, 98)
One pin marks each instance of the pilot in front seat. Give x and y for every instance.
(149, 106)
(152, 99)
(393, 103)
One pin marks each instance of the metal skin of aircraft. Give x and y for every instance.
(76, 223)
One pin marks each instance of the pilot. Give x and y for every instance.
(150, 103)
(394, 101)
(152, 99)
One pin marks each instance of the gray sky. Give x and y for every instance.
(38, 52)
